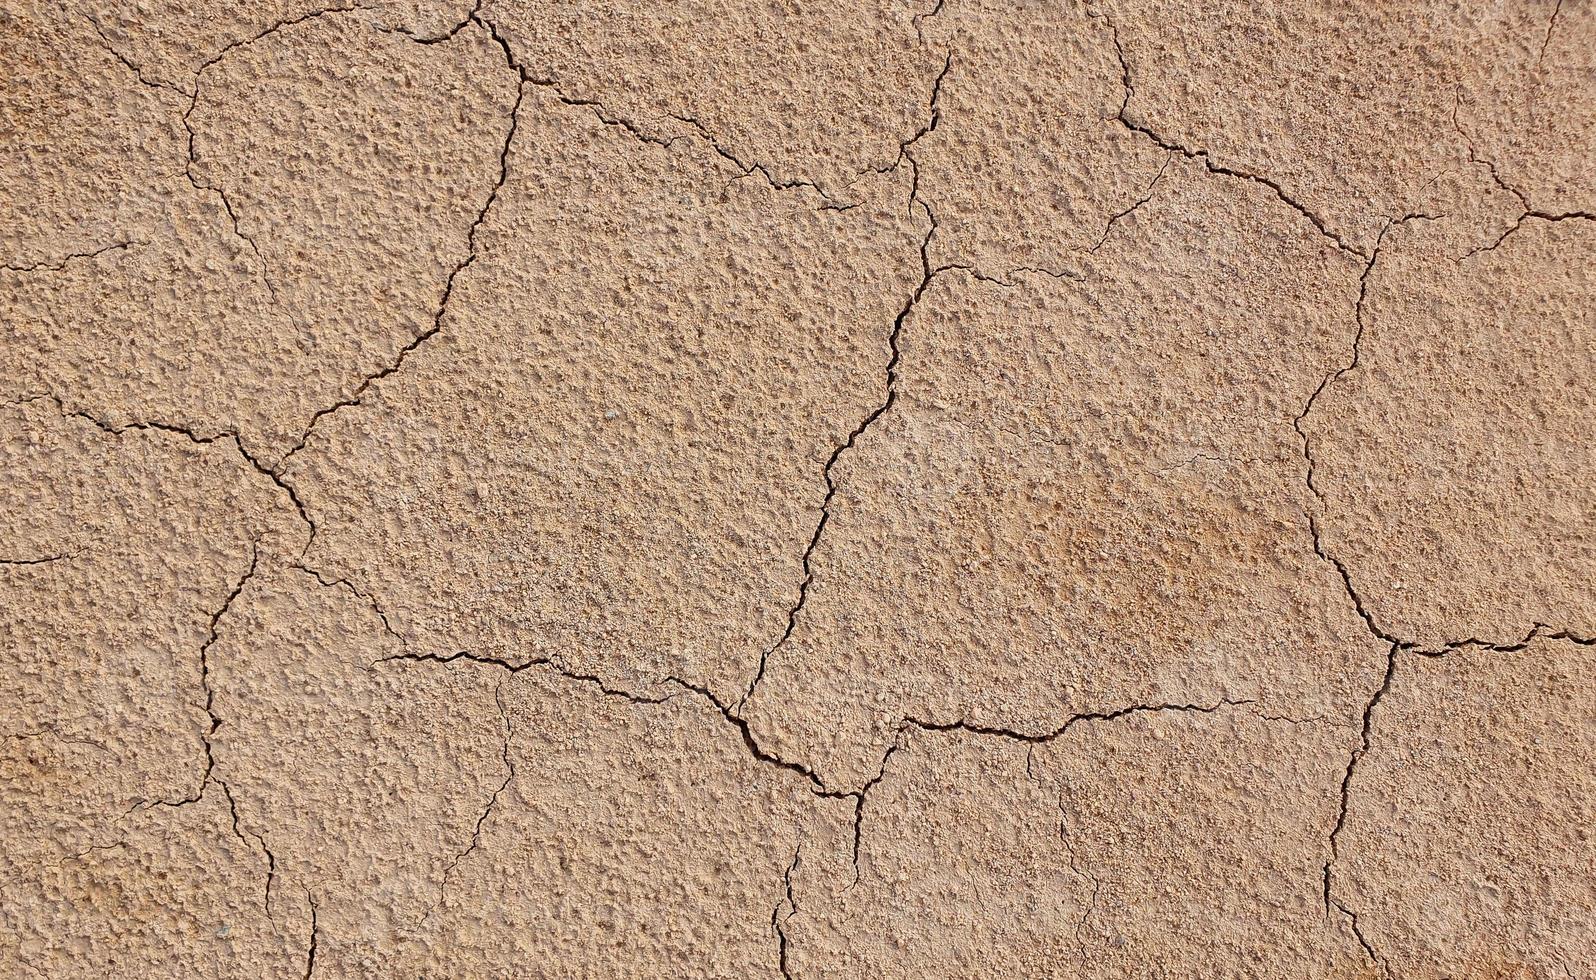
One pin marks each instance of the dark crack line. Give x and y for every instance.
(1331, 902)
(1528, 211)
(778, 921)
(222, 436)
(260, 841)
(130, 66)
(315, 937)
(1356, 360)
(859, 807)
(193, 151)
(1203, 156)
(1358, 753)
(1368, 947)
(393, 367)
(208, 776)
(1353, 363)
(1147, 195)
(365, 597)
(449, 35)
(44, 560)
(1540, 631)
(815, 783)
(1075, 868)
(1527, 216)
(59, 264)
(747, 169)
(905, 148)
(542, 663)
(919, 19)
(52, 732)
(1551, 25)
(493, 801)
(895, 354)
(974, 728)
(702, 132)
(1477, 159)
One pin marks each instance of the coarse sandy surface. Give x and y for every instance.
(757, 488)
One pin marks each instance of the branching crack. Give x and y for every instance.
(890, 394)
(448, 35)
(198, 438)
(1203, 157)
(1368, 948)
(1474, 155)
(701, 131)
(356, 396)
(246, 836)
(207, 777)
(728, 712)
(193, 151)
(1075, 868)
(919, 19)
(1330, 901)
(1329, 379)
(1526, 216)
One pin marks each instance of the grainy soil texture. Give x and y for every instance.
(769, 488)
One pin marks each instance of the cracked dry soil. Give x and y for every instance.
(539, 489)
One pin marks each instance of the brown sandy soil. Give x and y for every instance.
(939, 489)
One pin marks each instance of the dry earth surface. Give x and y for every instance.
(741, 489)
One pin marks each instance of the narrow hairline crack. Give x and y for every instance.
(1075, 868)
(209, 777)
(212, 634)
(487, 810)
(1085, 717)
(366, 597)
(59, 264)
(188, 126)
(1353, 363)
(1147, 195)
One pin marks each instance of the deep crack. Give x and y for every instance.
(778, 921)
